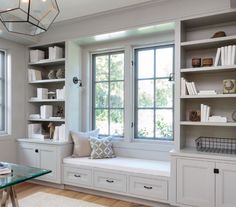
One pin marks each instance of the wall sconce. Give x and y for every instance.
(77, 81)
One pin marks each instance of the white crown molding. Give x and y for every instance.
(112, 11)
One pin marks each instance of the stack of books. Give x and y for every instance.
(188, 87)
(59, 133)
(207, 92)
(205, 113)
(4, 169)
(226, 55)
(55, 53)
(42, 93)
(60, 93)
(218, 119)
(36, 55)
(34, 75)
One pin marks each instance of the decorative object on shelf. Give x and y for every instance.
(52, 95)
(219, 34)
(196, 62)
(28, 17)
(234, 116)
(51, 127)
(216, 145)
(195, 115)
(229, 86)
(52, 74)
(60, 74)
(77, 81)
(206, 62)
(60, 111)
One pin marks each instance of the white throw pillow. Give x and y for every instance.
(81, 143)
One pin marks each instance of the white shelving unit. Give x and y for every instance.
(45, 66)
(194, 40)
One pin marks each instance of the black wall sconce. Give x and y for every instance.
(76, 80)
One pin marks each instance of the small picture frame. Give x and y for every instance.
(229, 86)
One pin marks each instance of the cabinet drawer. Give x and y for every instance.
(110, 181)
(152, 189)
(77, 176)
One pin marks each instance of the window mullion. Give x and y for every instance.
(109, 94)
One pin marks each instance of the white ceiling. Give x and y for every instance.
(79, 8)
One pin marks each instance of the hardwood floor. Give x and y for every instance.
(27, 189)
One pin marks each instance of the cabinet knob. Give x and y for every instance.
(77, 176)
(37, 151)
(216, 171)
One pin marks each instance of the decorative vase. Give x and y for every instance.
(52, 74)
(60, 73)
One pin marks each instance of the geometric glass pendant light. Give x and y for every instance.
(29, 17)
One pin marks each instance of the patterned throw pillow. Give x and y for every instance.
(101, 148)
(81, 143)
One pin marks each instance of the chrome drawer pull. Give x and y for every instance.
(148, 188)
(110, 181)
(77, 176)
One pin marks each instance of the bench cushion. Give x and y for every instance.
(149, 167)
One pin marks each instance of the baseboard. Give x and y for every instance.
(116, 196)
(53, 185)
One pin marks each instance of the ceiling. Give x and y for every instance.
(79, 8)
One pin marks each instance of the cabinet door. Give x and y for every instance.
(28, 155)
(226, 185)
(48, 160)
(195, 183)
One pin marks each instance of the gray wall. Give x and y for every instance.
(16, 95)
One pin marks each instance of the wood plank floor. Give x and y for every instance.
(27, 189)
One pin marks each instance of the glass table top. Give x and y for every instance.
(20, 174)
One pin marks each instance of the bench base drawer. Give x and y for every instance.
(150, 189)
(110, 181)
(77, 176)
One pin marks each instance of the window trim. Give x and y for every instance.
(5, 102)
(93, 78)
(135, 79)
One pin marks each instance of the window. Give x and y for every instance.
(2, 91)
(154, 93)
(108, 93)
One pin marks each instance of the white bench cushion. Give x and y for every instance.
(150, 167)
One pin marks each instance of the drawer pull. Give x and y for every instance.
(110, 181)
(77, 176)
(148, 188)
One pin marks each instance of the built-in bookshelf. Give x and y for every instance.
(195, 41)
(46, 94)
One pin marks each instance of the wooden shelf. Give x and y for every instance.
(45, 100)
(48, 120)
(209, 96)
(209, 69)
(191, 123)
(209, 43)
(48, 81)
(48, 62)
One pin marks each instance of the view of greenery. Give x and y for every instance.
(109, 93)
(154, 93)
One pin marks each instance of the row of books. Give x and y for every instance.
(36, 55)
(42, 93)
(59, 133)
(226, 55)
(205, 113)
(34, 75)
(188, 87)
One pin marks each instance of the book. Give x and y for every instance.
(42, 93)
(46, 111)
(229, 62)
(233, 55)
(205, 113)
(183, 86)
(217, 59)
(34, 129)
(194, 88)
(222, 55)
(226, 55)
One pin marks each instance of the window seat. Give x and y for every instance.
(149, 167)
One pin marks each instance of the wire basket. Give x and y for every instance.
(216, 145)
